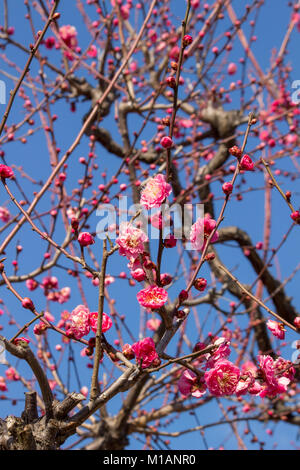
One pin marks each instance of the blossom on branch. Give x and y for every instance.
(131, 241)
(152, 297)
(191, 384)
(223, 378)
(201, 230)
(145, 352)
(79, 322)
(106, 322)
(155, 192)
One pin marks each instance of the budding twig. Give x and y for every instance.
(282, 320)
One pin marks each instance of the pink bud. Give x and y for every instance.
(128, 351)
(183, 295)
(227, 188)
(165, 279)
(170, 241)
(166, 142)
(200, 284)
(235, 151)
(27, 303)
(6, 172)
(171, 81)
(232, 68)
(187, 40)
(246, 163)
(85, 239)
(295, 216)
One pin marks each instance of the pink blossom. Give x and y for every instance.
(39, 328)
(84, 390)
(155, 192)
(50, 282)
(227, 187)
(266, 364)
(4, 214)
(106, 322)
(274, 384)
(49, 316)
(245, 383)
(108, 280)
(200, 284)
(145, 352)
(79, 322)
(249, 366)
(276, 328)
(272, 390)
(64, 295)
(191, 384)
(153, 324)
(222, 352)
(68, 35)
(11, 374)
(284, 368)
(186, 123)
(138, 274)
(152, 297)
(31, 284)
(71, 213)
(255, 389)
(174, 53)
(201, 230)
(223, 378)
(131, 240)
(50, 42)
(92, 52)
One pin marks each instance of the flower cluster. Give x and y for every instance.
(68, 35)
(145, 353)
(81, 320)
(276, 375)
(224, 378)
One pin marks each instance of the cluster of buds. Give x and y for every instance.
(235, 151)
